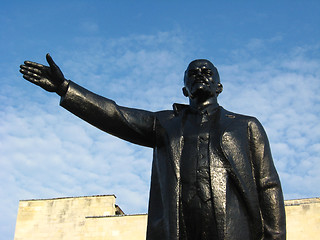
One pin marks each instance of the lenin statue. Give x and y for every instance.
(213, 176)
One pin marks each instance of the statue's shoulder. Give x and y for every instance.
(238, 116)
(170, 114)
(164, 114)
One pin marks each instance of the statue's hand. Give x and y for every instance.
(49, 78)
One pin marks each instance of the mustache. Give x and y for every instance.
(201, 80)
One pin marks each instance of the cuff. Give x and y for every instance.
(62, 89)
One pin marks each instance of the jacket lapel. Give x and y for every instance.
(239, 168)
(231, 150)
(218, 172)
(225, 120)
(175, 137)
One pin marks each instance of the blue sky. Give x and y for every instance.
(135, 53)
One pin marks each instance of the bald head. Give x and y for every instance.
(201, 80)
(204, 63)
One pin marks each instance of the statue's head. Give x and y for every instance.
(201, 80)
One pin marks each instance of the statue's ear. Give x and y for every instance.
(219, 88)
(185, 92)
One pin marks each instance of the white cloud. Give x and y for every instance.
(46, 152)
(283, 94)
(50, 153)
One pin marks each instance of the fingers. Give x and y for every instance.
(29, 73)
(31, 69)
(31, 79)
(34, 64)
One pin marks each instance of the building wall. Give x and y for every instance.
(117, 227)
(303, 219)
(97, 218)
(61, 218)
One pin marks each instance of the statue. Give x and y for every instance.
(213, 175)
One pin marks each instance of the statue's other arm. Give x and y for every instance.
(133, 125)
(268, 184)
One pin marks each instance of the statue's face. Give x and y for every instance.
(201, 79)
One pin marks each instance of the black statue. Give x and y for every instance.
(213, 175)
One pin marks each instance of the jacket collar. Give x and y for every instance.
(225, 116)
(178, 108)
(209, 110)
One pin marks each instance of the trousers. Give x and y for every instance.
(198, 220)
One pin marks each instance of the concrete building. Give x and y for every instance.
(90, 218)
(98, 217)
(303, 219)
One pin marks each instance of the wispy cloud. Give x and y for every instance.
(46, 152)
(283, 94)
(50, 153)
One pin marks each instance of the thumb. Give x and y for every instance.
(52, 64)
(54, 69)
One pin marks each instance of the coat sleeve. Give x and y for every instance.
(268, 184)
(133, 125)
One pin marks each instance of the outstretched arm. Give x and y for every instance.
(49, 77)
(133, 125)
(136, 126)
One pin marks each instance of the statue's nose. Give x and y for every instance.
(199, 76)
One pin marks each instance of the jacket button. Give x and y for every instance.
(203, 139)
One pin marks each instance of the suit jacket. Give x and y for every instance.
(243, 142)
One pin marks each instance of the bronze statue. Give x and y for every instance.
(213, 175)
